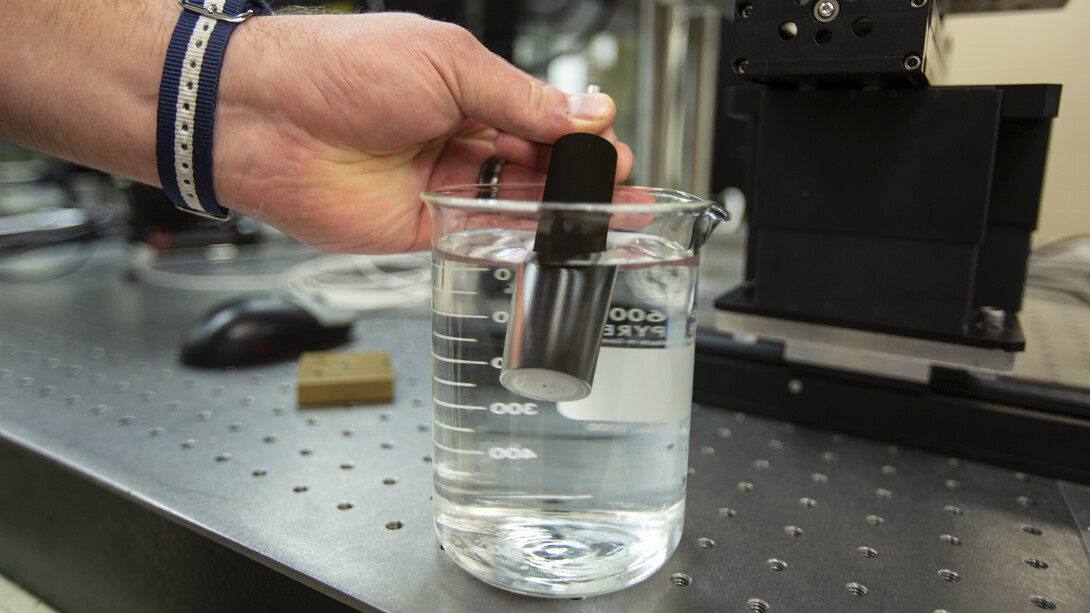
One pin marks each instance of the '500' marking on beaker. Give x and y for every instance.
(636, 315)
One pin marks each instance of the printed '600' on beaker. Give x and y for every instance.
(570, 479)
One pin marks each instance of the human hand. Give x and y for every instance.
(329, 127)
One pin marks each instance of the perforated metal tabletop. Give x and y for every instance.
(336, 500)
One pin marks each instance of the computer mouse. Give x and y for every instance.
(258, 329)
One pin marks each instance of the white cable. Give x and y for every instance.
(206, 283)
(339, 282)
(362, 283)
(142, 267)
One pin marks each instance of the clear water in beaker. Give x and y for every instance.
(563, 499)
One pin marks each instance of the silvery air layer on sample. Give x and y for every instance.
(562, 498)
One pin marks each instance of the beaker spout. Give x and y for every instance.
(714, 215)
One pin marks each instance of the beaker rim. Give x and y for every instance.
(483, 196)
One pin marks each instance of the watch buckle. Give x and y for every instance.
(217, 15)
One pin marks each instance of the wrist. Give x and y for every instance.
(245, 139)
(188, 98)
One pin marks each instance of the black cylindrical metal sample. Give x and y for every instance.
(555, 331)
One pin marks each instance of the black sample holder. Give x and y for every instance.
(561, 297)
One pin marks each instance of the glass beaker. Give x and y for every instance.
(568, 492)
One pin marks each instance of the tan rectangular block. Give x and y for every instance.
(335, 378)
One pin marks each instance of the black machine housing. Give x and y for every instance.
(883, 205)
(902, 210)
(876, 201)
(842, 41)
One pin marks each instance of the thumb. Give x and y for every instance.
(496, 93)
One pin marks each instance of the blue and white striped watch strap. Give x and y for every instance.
(187, 100)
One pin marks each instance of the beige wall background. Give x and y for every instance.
(1038, 47)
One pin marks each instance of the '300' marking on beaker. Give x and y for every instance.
(511, 453)
(513, 408)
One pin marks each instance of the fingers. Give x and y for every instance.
(522, 152)
(520, 174)
(625, 160)
(492, 91)
(526, 162)
(461, 162)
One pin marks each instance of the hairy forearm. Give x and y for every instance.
(327, 127)
(80, 80)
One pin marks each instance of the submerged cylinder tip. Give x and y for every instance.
(545, 384)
